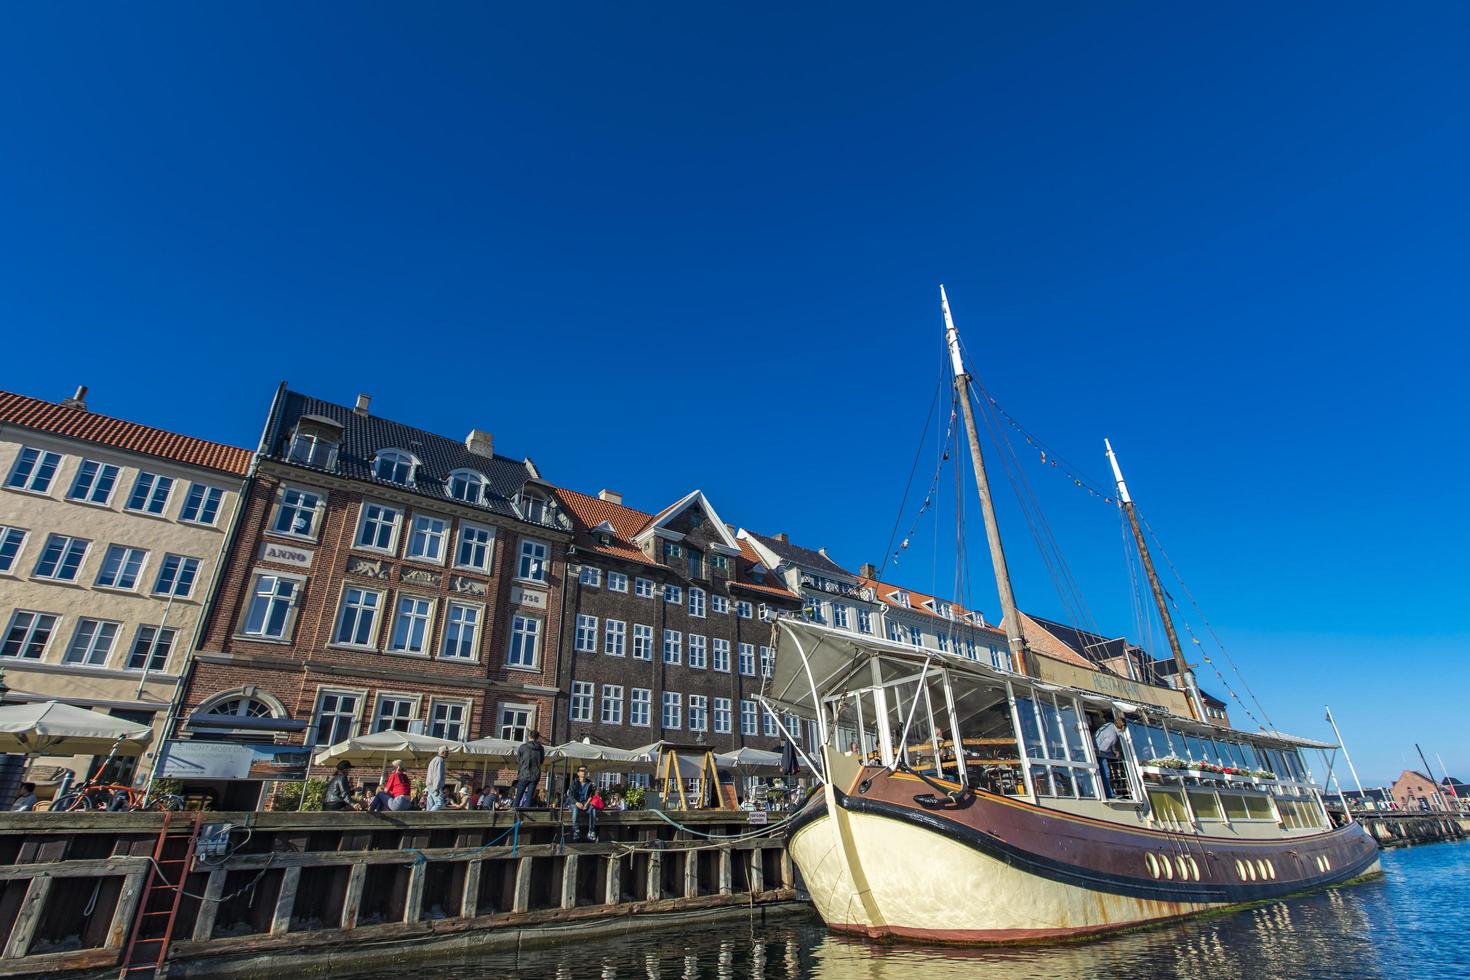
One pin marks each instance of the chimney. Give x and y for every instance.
(361, 408)
(868, 570)
(783, 538)
(480, 443)
(77, 401)
(611, 496)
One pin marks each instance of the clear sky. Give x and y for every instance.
(656, 248)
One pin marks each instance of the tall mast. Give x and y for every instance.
(1186, 676)
(1011, 616)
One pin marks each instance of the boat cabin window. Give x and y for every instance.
(1205, 804)
(1057, 745)
(1167, 807)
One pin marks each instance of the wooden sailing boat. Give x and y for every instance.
(962, 802)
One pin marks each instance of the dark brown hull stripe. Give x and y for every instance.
(1053, 870)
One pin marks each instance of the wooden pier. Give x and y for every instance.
(310, 888)
(1399, 828)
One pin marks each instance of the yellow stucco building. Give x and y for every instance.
(111, 534)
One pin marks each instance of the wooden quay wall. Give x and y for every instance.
(1399, 828)
(306, 888)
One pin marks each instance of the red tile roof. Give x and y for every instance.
(76, 423)
(626, 523)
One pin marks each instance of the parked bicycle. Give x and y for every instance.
(115, 797)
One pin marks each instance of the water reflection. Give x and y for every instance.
(1413, 922)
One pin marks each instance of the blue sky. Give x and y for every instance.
(659, 248)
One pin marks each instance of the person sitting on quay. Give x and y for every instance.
(27, 798)
(579, 798)
(396, 791)
(529, 756)
(339, 789)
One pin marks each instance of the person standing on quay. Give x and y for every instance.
(528, 769)
(434, 780)
(339, 788)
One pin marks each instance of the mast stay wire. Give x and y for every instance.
(1210, 628)
(913, 470)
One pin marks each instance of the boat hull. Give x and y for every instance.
(999, 871)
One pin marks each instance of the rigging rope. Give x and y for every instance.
(913, 470)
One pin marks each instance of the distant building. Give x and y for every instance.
(383, 577)
(664, 633)
(934, 623)
(110, 541)
(1415, 791)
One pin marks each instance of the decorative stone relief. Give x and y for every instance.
(418, 576)
(468, 586)
(367, 567)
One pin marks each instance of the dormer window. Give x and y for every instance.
(758, 575)
(395, 466)
(901, 598)
(533, 506)
(315, 442)
(467, 485)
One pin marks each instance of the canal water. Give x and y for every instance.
(1413, 922)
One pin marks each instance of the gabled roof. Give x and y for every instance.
(691, 499)
(364, 435)
(1088, 645)
(590, 512)
(798, 555)
(103, 430)
(748, 562)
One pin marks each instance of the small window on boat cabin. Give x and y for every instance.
(1168, 807)
(1234, 805)
(1259, 808)
(1206, 805)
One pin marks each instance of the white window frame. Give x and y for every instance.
(531, 567)
(749, 717)
(698, 716)
(108, 472)
(395, 527)
(16, 536)
(590, 577)
(396, 458)
(696, 602)
(719, 655)
(427, 617)
(469, 479)
(183, 564)
(93, 644)
(488, 545)
(746, 659)
(152, 496)
(67, 549)
(160, 648)
(671, 705)
(673, 647)
(520, 629)
(30, 634)
(586, 636)
(517, 726)
(719, 604)
(643, 588)
(698, 651)
(610, 710)
(617, 581)
(744, 609)
(208, 493)
(340, 618)
(865, 621)
(281, 507)
(415, 713)
(642, 642)
(466, 710)
(444, 536)
(293, 604)
(44, 459)
(583, 697)
(640, 706)
(451, 607)
(674, 594)
(615, 637)
(354, 723)
(767, 661)
(722, 716)
(126, 551)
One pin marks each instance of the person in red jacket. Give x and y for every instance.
(395, 792)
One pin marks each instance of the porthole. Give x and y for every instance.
(1261, 867)
(1168, 868)
(1239, 870)
(1183, 863)
(1250, 871)
(1320, 865)
(1327, 862)
(1194, 869)
(1271, 869)
(1153, 864)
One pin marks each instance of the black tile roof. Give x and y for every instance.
(1093, 646)
(800, 556)
(364, 435)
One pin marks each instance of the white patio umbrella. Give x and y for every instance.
(385, 746)
(54, 728)
(596, 756)
(490, 750)
(746, 761)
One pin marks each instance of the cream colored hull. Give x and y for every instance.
(923, 885)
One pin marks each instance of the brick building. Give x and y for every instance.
(381, 577)
(110, 539)
(1415, 791)
(664, 633)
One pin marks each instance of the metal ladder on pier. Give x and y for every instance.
(153, 926)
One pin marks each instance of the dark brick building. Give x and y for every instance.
(381, 577)
(664, 636)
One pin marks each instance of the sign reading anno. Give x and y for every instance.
(286, 554)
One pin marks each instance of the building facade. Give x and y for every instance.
(111, 535)
(668, 633)
(382, 577)
(1415, 791)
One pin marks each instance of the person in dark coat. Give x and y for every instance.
(528, 769)
(339, 789)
